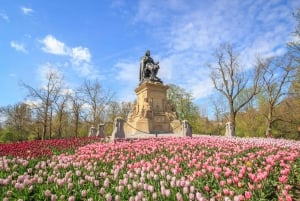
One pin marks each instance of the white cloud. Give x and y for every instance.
(127, 76)
(79, 57)
(193, 33)
(128, 71)
(85, 70)
(45, 69)
(199, 87)
(4, 16)
(80, 54)
(26, 10)
(148, 11)
(53, 46)
(18, 46)
(155, 12)
(67, 91)
(33, 103)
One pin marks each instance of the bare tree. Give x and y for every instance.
(94, 96)
(294, 46)
(113, 110)
(44, 97)
(277, 72)
(219, 108)
(230, 80)
(60, 107)
(77, 104)
(125, 108)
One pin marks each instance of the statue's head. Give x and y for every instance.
(147, 53)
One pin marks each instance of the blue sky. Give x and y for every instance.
(106, 39)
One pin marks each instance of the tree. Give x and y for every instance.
(294, 49)
(44, 97)
(219, 108)
(18, 120)
(294, 46)
(125, 108)
(182, 100)
(185, 108)
(60, 107)
(229, 79)
(276, 76)
(113, 110)
(96, 98)
(77, 105)
(251, 123)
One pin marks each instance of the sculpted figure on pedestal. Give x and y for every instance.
(148, 69)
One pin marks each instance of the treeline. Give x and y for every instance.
(262, 100)
(52, 111)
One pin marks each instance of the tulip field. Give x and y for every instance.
(203, 168)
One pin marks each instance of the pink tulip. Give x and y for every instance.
(207, 188)
(191, 196)
(283, 179)
(71, 198)
(154, 196)
(108, 197)
(248, 195)
(179, 196)
(53, 197)
(226, 191)
(83, 193)
(47, 193)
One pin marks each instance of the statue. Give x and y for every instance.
(148, 68)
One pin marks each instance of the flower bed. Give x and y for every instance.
(201, 168)
(44, 148)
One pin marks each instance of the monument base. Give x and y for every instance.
(152, 113)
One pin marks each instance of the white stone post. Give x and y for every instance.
(186, 129)
(92, 132)
(118, 129)
(229, 130)
(100, 132)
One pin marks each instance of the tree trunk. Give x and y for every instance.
(50, 124)
(232, 117)
(45, 123)
(60, 125)
(269, 120)
(76, 125)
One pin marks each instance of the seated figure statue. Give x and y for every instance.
(148, 68)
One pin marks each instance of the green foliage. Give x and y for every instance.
(6, 136)
(186, 109)
(9, 135)
(250, 124)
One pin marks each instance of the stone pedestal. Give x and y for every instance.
(152, 113)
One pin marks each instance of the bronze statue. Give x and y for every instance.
(148, 68)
